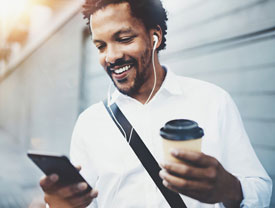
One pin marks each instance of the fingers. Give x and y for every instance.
(48, 183)
(193, 194)
(188, 172)
(193, 158)
(78, 167)
(199, 176)
(75, 200)
(72, 190)
(84, 200)
(182, 185)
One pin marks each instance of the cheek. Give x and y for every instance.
(136, 50)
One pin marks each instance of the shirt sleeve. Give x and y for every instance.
(79, 155)
(240, 159)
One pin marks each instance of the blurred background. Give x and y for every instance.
(49, 73)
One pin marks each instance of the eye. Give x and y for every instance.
(126, 39)
(100, 46)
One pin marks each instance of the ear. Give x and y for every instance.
(158, 32)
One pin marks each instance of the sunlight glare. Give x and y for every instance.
(9, 8)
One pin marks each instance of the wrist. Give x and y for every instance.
(234, 195)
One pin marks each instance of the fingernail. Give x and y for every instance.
(93, 194)
(165, 164)
(53, 177)
(174, 152)
(82, 186)
(165, 183)
(161, 174)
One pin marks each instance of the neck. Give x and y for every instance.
(144, 93)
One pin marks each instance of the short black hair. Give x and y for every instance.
(150, 12)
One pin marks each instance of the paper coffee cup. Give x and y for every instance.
(180, 134)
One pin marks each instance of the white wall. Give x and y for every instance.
(38, 108)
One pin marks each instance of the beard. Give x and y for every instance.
(141, 75)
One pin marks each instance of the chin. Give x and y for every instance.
(124, 87)
(126, 91)
(128, 87)
(130, 91)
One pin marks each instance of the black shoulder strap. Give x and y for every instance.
(144, 155)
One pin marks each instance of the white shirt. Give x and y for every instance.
(110, 166)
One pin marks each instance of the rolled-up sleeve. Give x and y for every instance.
(240, 159)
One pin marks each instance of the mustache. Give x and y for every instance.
(120, 62)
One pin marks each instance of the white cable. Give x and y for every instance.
(130, 136)
(155, 77)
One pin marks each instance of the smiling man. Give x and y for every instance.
(129, 34)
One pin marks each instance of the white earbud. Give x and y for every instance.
(156, 39)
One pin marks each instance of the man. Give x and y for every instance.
(227, 173)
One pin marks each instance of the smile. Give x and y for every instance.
(122, 69)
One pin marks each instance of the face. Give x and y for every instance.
(124, 47)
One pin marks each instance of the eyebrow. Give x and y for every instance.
(122, 31)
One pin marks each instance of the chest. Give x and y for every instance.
(114, 155)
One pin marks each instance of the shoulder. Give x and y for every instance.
(203, 89)
(93, 110)
(92, 115)
(196, 84)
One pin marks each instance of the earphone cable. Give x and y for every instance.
(155, 75)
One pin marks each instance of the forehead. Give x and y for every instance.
(113, 18)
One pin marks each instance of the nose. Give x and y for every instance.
(113, 53)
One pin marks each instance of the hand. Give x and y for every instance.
(68, 196)
(201, 177)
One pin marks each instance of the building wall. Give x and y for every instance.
(231, 44)
(39, 104)
(39, 101)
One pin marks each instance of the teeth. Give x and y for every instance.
(123, 69)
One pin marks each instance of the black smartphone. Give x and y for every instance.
(59, 164)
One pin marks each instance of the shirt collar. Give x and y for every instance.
(170, 84)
